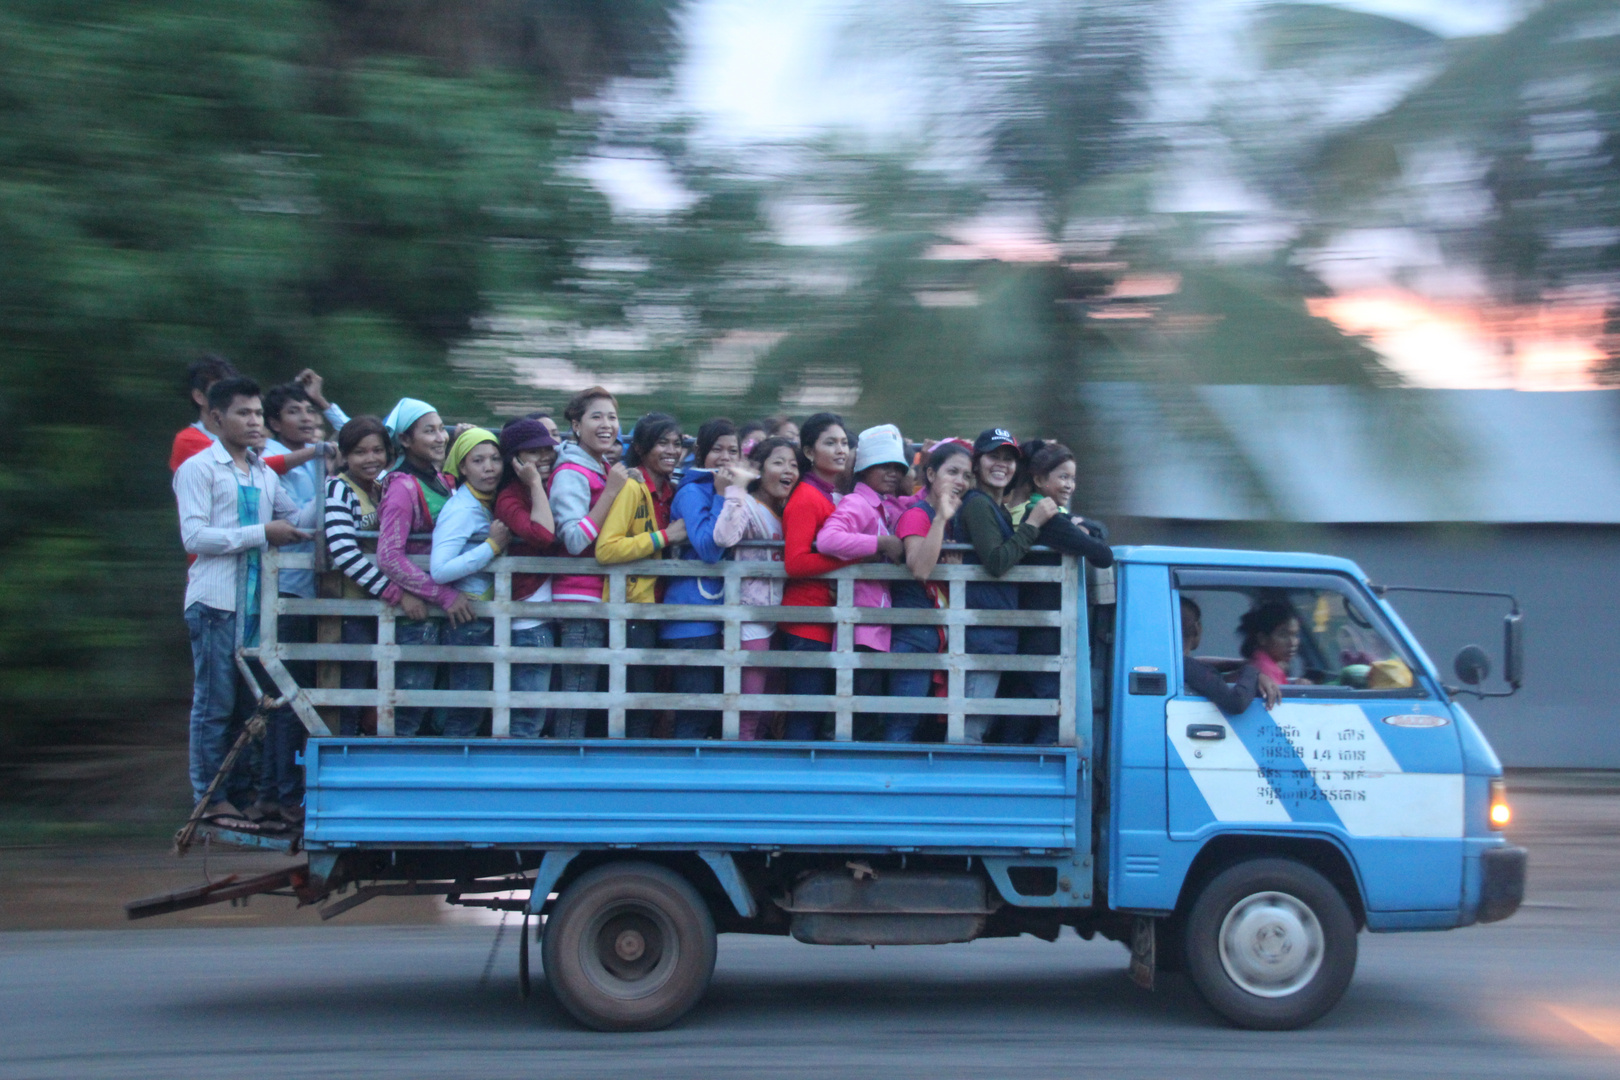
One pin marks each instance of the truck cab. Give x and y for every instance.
(1247, 849)
(1369, 775)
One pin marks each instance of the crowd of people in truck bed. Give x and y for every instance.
(247, 476)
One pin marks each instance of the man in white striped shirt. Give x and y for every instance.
(231, 507)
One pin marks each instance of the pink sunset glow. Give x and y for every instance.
(1439, 344)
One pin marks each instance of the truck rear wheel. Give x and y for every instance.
(629, 947)
(1270, 944)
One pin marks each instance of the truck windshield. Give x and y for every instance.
(1315, 628)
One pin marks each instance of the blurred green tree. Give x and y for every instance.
(288, 182)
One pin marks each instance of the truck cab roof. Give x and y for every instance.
(1270, 560)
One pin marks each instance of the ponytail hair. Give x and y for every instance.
(1261, 619)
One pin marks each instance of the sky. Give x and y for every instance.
(760, 74)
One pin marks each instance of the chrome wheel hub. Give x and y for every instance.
(1271, 944)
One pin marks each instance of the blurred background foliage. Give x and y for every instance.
(398, 193)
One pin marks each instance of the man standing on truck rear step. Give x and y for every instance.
(230, 505)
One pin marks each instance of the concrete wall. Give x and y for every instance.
(1567, 579)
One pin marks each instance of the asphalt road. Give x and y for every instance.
(1537, 996)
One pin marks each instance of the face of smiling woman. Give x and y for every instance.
(830, 453)
(598, 430)
(996, 469)
(664, 456)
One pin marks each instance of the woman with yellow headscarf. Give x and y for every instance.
(466, 536)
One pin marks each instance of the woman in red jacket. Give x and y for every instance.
(522, 506)
(823, 453)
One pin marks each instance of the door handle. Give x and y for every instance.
(1206, 731)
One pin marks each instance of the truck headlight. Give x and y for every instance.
(1500, 813)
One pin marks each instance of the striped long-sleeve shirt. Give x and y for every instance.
(347, 514)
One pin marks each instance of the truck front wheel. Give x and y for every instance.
(629, 947)
(1270, 944)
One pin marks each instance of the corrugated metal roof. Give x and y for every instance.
(1348, 454)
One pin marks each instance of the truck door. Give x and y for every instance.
(1361, 749)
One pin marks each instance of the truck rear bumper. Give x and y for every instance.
(1502, 875)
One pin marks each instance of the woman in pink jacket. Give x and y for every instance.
(861, 529)
(756, 514)
(413, 492)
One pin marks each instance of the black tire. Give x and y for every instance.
(629, 947)
(1289, 944)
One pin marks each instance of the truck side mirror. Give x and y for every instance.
(1513, 649)
(1473, 665)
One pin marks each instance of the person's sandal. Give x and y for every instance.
(226, 816)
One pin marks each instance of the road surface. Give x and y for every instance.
(1537, 996)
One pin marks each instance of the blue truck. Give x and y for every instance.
(1247, 850)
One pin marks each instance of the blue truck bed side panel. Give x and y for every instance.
(404, 792)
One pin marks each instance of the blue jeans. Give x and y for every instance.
(528, 723)
(980, 684)
(869, 727)
(408, 718)
(280, 779)
(640, 678)
(462, 722)
(356, 674)
(695, 679)
(902, 727)
(220, 702)
(577, 678)
(1043, 685)
(803, 726)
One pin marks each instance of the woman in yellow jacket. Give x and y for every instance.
(638, 527)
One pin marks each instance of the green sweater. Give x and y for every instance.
(998, 552)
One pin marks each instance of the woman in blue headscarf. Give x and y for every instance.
(414, 491)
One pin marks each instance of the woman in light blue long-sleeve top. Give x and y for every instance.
(466, 537)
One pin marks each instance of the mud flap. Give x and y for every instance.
(1144, 947)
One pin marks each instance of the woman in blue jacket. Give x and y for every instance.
(698, 502)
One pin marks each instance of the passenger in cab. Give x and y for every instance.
(584, 484)
(947, 474)
(414, 491)
(861, 529)
(755, 513)
(1201, 678)
(999, 546)
(1051, 472)
(1271, 639)
(823, 456)
(638, 527)
(522, 505)
(351, 508)
(466, 537)
(699, 499)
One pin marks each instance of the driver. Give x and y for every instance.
(1202, 679)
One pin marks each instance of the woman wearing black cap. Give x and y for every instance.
(521, 504)
(999, 546)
